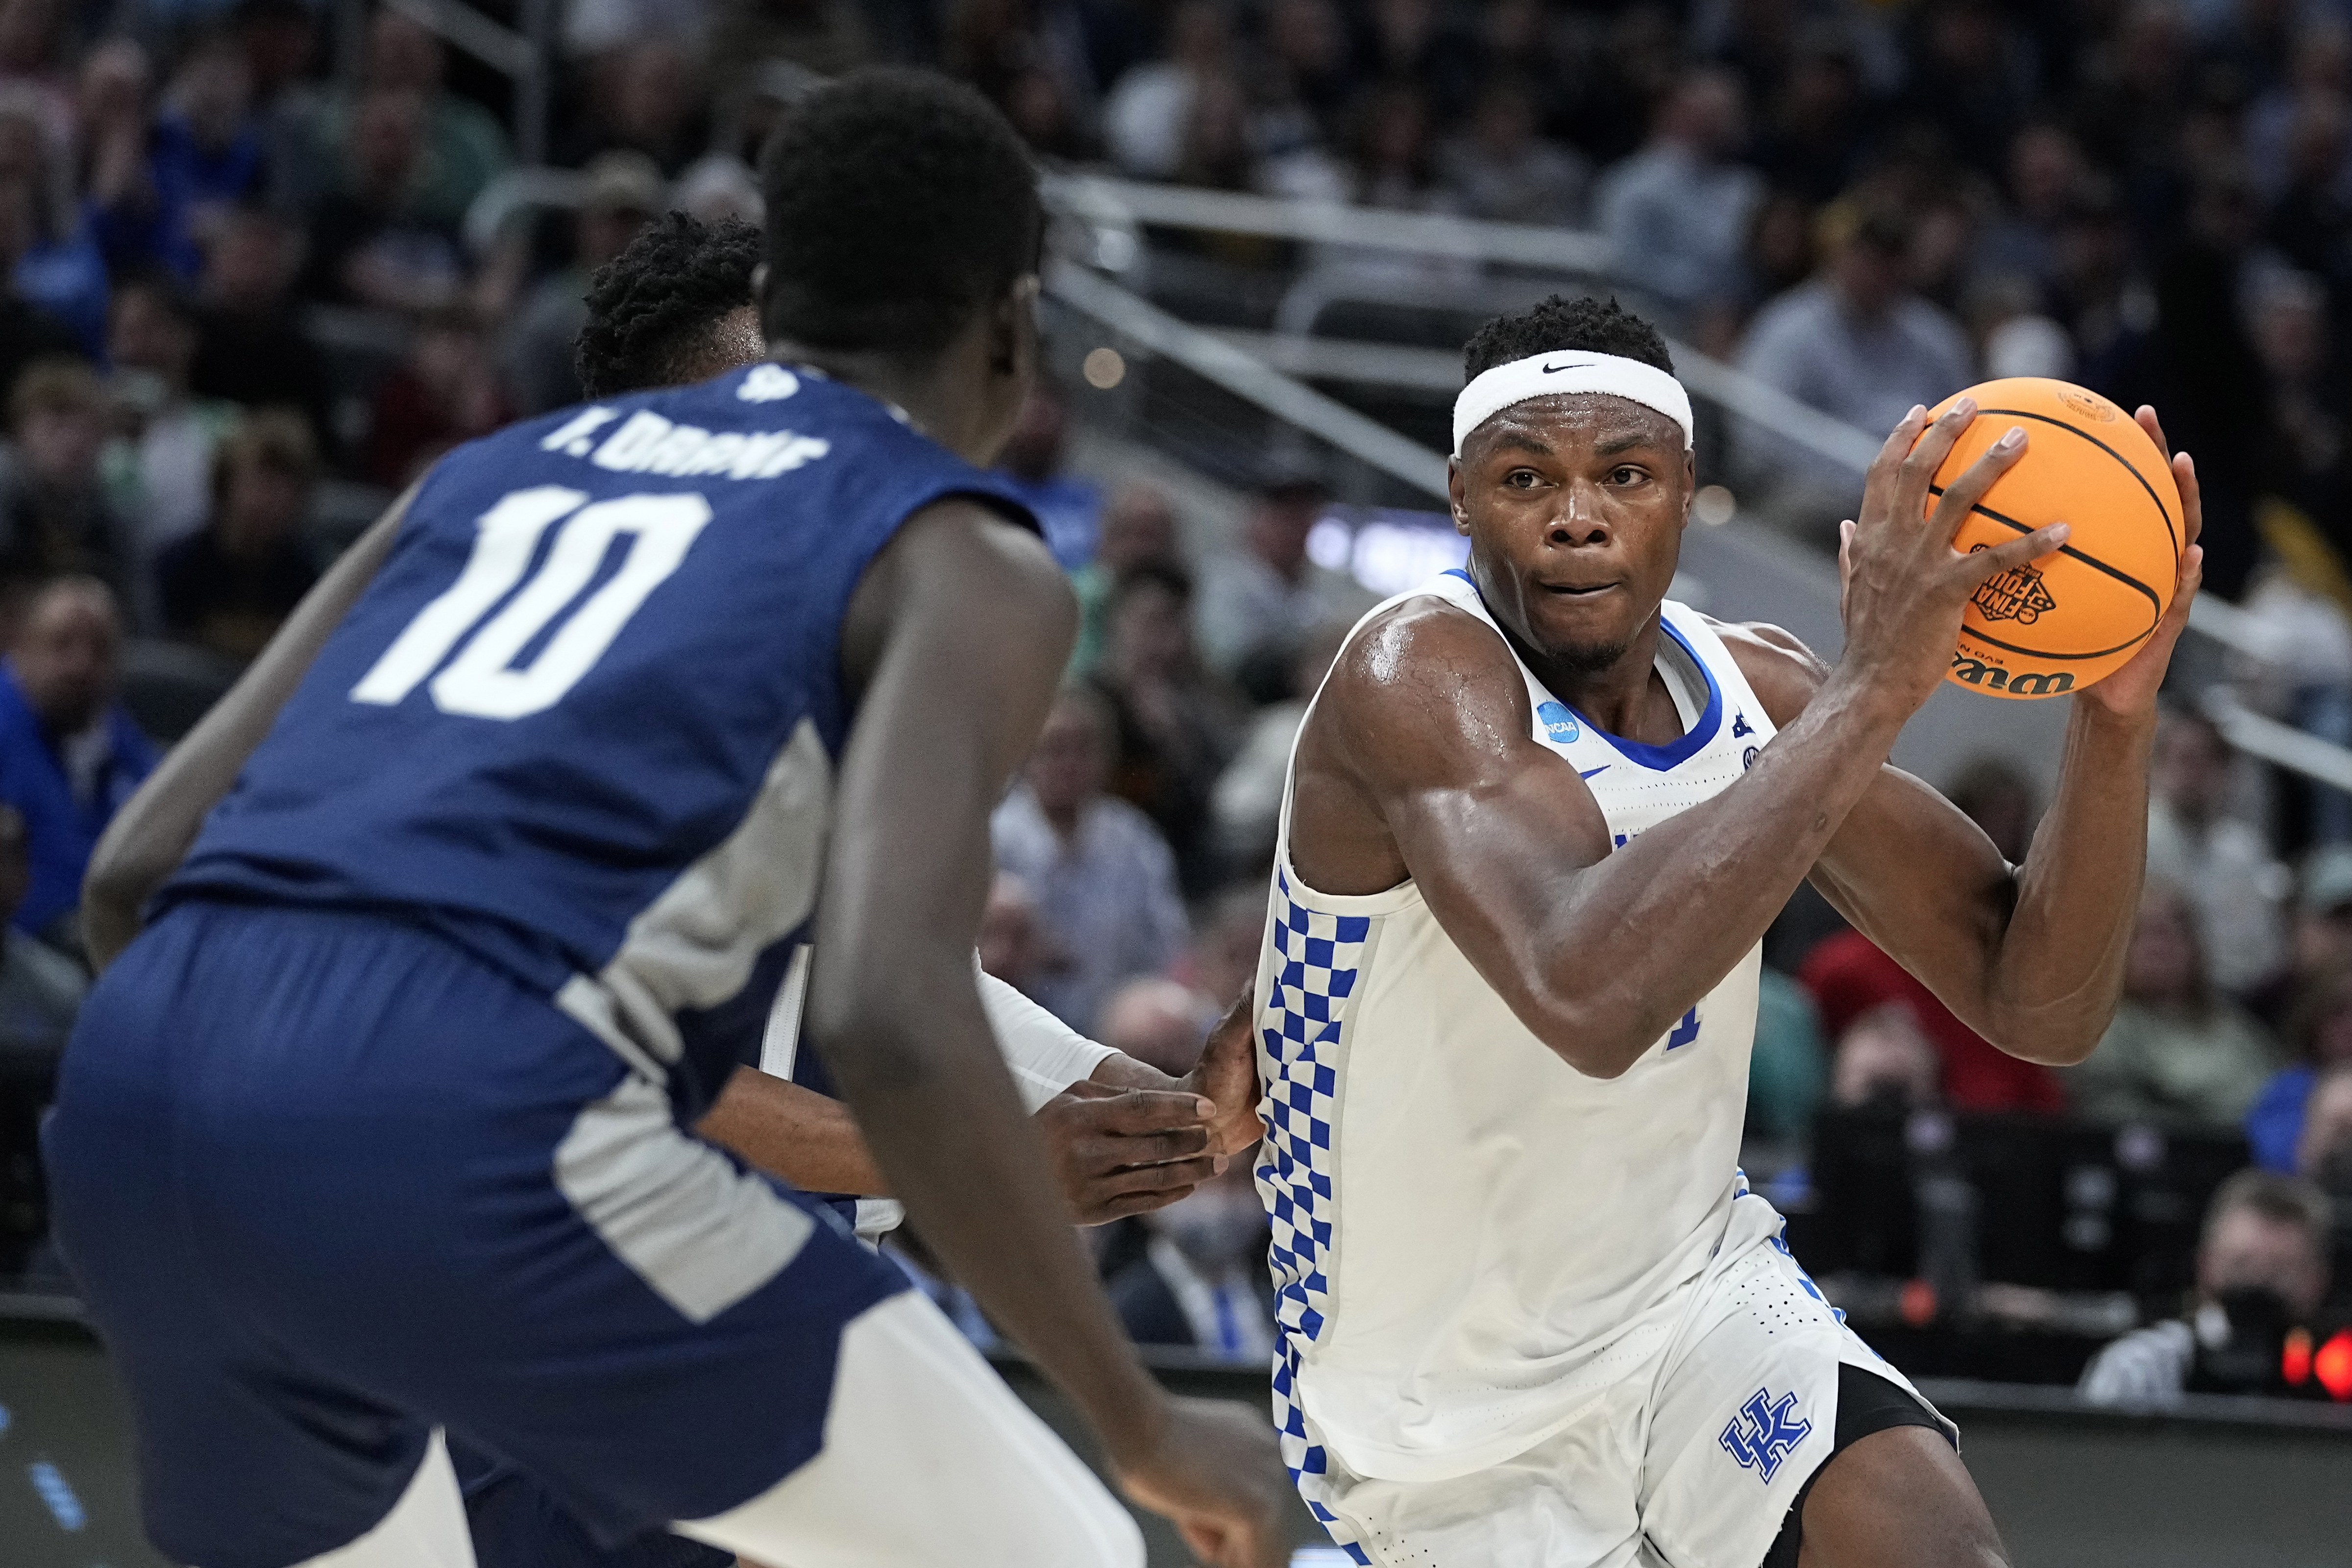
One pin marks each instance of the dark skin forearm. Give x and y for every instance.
(892, 1001)
(2031, 957)
(151, 834)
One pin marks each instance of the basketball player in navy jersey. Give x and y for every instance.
(676, 307)
(376, 1129)
(1540, 817)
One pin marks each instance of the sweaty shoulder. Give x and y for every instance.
(1422, 681)
(1781, 670)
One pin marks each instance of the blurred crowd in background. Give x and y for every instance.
(245, 296)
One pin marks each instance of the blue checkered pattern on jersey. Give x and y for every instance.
(1302, 1053)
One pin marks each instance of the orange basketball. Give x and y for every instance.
(2062, 622)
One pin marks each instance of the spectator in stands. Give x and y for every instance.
(1246, 801)
(231, 584)
(2045, 176)
(1202, 1281)
(27, 331)
(2222, 863)
(197, 159)
(447, 391)
(1103, 877)
(69, 754)
(2322, 1151)
(1884, 1059)
(249, 347)
(365, 247)
(1137, 526)
(649, 102)
(462, 147)
(1848, 976)
(622, 192)
(62, 271)
(2178, 1052)
(2265, 1251)
(1678, 209)
(1817, 127)
(1034, 458)
(55, 512)
(1855, 342)
(2319, 1039)
(1257, 603)
(1788, 1067)
(1228, 939)
(1176, 728)
(161, 469)
(40, 988)
(1499, 167)
(1158, 1021)
(1011, 944)
(1146, 116)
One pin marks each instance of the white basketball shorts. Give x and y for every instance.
(1692, 1464)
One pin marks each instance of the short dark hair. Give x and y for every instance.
(899, 203)
(1561, 323)
(651, 308)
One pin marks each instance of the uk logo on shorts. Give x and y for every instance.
(1765, 1432)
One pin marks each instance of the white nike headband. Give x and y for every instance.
(1569, 370)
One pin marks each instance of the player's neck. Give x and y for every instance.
(934, 395)
(1628, 697)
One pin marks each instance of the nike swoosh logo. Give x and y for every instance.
(1556, 369)
(1588, 772)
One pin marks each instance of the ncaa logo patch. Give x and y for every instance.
(1765, 1432)
(1559, 724)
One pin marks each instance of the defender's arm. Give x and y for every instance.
(894, 1007)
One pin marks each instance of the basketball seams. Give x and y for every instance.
(2170, 532)
(2071, 554)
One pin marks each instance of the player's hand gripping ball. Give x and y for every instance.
(2059, 623)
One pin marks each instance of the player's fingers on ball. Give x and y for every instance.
(2145, 417)
(2192, 495)
(1927, 455)
(1899, 441)
(1981, 565)
(1969, 488)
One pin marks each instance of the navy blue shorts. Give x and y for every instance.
(326, 1182)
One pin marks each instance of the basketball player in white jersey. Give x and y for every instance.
(1539, 817)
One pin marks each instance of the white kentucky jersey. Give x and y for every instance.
(1472, 1239)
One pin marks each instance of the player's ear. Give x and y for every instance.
(1454, 496)
(1013, 330)
(1690, 483)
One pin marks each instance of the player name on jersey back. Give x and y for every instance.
(646, 442)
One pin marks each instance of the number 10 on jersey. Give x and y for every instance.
(481, 682)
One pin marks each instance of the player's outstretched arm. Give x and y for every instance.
(1419, 760)
(2031, 957)
(955, 640)
(151, 835)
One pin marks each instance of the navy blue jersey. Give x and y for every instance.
(586, 720)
